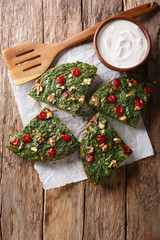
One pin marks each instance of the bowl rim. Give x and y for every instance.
(143, 29)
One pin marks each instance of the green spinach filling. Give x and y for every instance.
(102, 149)
(123, 99)
(45, 138)
(67, 93)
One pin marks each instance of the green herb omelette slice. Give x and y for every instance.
(123, 99)
(45, 138)
(102, 150)
(65, 86)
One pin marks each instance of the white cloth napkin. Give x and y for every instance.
(70, 169)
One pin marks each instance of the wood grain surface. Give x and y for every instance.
(63, 213)
(21, 192)
(143, 177)
(127, 205)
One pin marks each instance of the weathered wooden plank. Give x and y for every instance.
(143, 178)
(1, 126)
(63, 217)
(64, 209)
(62, 19)
(105, 203)
(22, 193)
(105, 208)
(96, 11)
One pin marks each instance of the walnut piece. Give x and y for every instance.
(51, 98)
(40, 138)
(117, 140)
(63, 106)
(113, 89)
(38, 86)
(73, 88)
(136, 108)
(37, 82)
(34, 149)
(132, 82)
(96, 102)
(87, 81)
(63, 87)
(39, 89)
(102, 126)
(123, 118)
(52, 141)
(128, 94)
(91, 150)
(49, 114)
(60, 86)
(105, 148)
(93, 122)
(113, 164)
(70, 75)
(81, 100)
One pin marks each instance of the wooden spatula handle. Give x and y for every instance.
(134, 13)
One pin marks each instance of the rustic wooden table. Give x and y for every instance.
(127, 204)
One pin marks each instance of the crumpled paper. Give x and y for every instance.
(70, 169)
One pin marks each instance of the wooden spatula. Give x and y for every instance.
(30, 60)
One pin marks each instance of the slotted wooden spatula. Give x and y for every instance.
(30, 60)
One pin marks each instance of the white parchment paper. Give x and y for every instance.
(70, 169)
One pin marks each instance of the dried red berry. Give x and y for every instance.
(26, 138)
(139, 102)
(76, 73)
(66, 94)
(126, 149)
(101, 138)
(42, 115)
(147, 89)
(89, 158)
(112, 99)
(65, 137)
(61, 80)
(51, 152)
(119, 110)
(15, 142)
(116, 82)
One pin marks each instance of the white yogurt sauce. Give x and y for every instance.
(122, 44)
